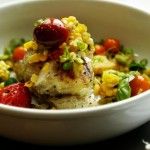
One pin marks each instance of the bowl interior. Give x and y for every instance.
(103, 19)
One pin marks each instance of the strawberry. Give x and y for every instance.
(16, 95)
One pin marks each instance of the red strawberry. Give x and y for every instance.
(16, 95)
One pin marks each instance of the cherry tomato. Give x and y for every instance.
(51, 33)
(99, 49)
(112, 45)
(16, 95)
(19, 53)
(138, 85)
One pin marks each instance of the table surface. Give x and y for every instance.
(129, 141)
(132, 140)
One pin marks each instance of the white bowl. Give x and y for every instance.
(76, 126)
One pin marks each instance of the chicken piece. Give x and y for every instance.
(53, 81)
(65, 70)
(75, 102)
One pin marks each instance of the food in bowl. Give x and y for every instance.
(119, 74)
(65, 127)
(62, 67)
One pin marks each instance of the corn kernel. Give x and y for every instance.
(4, 73)
(110, 78)
(34, 78)
(37, 57)
(46, 67)
(31, 45)
(81, 28)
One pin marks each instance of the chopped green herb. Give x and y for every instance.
(141, 65)
(11, 80)
(124, 90)
(4, 57)
(127, 50)
(67, 66)
(144, 62)
(81, 45)
(79, 60)
(66, 56)
(124, 59)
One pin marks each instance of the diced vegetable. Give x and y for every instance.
(100, 49)
(19, 53)
(50, 33)
(127, 50)
(4, 72)
(4, 56)
(124, 59)
(141, 65)
(138, 85)
(124, 90)
(67, 65)
(11, 80)
(13, 44)
(112, 45)
(16, 95)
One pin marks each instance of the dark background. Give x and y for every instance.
(129, 141)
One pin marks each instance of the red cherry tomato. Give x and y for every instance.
(99, 49)
(51, 33)
(16, 95)
(19, 53)
(138, 85)
(112, 45)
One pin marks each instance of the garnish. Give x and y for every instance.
(50, 33)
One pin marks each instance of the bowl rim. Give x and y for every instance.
(42, 114)
(117, 3)
(68, 113)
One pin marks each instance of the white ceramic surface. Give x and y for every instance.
(66, 127)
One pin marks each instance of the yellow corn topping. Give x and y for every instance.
(78, 32)
(107, 91)
(31, 45)
(45, 67)
(110, 79)
(4, 73)
(37, 57)
(34, 78)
